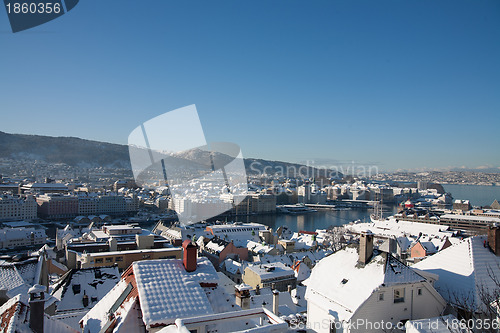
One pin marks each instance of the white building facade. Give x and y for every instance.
(345, 295)
(17, 208)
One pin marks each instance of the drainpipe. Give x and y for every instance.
(411, 305)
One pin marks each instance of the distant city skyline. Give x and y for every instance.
(400, 85)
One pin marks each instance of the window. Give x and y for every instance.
(98, 261)
(399, 295)
(119, 259)
(419, 291)
(381, 296)
(109, 259)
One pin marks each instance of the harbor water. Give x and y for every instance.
(478, 195)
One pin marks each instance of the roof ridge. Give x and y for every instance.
(474, 270)
(472, 254)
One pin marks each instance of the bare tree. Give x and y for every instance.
(479, 309)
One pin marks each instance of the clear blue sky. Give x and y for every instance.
(405, 84)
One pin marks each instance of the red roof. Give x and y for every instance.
(308, 232)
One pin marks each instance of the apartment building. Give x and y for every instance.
(111, 204)
(123, 259)
(21, 237)
(277, 274)
(57, 205)
(87, 203)
(15, 208)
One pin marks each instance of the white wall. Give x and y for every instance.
(429, 304)
(318, 319)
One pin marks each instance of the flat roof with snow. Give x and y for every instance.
(271, 270)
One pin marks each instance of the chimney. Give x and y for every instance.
(190, 255)
(242, 292)
(257, 290)
(36, 304)
(365, 247)
(494, 238)
(276, 299)
(113, 244)
(3, 296)
(85, 299)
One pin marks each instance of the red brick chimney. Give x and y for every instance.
(190, 255)
(494, 239)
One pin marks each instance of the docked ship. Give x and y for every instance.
(295, 209)
(378, 213)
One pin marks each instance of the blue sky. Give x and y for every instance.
(400, 84)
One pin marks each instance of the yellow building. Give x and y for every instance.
(266, 275)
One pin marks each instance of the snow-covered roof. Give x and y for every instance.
(434, 244)
(12, 281)
(115, 253)
(485, 219)
(240, 321)
(463, 269)
(271, 270)
(298, 296)
(233, 266)
(290, 258)
(265, 299)
(15, 315)
(236, 228)
(216, 245)
(93, 282)
(17, 224)
(340, 284)
(167, 291)
(16, 278)
(393, 227)
(301, 270)
(458, 201)
(258, 247)
(225, 283)
(307, 240)
(404, 243)
(97, 317)
(7, 234)
(46, 185)
(49, 251)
